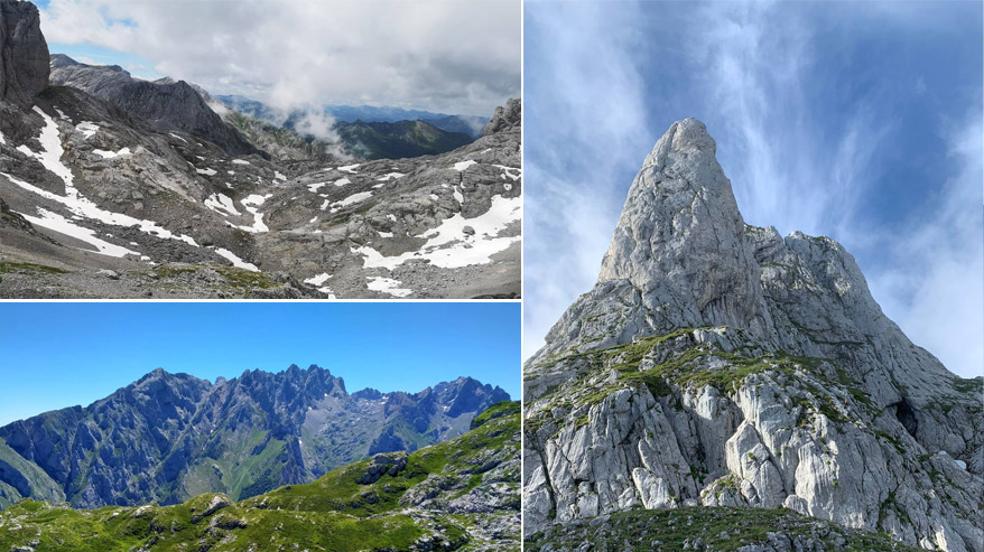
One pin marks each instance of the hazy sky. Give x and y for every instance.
(857, 120)
(447, 56)
(63, 354)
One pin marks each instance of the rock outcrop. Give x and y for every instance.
(23, 53)
(168, 437)
(508, 116)
(165, 104)
(719, 364)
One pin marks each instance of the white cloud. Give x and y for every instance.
(575, 217)
(934, 289)
(753, 64)
(460, 57)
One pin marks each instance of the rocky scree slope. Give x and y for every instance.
(719, 364)
(120, 202)
(168, 437)
(461, 494)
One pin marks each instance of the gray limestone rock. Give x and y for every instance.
(23, 53)
(720, 364)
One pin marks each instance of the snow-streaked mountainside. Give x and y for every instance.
(168, 437)
(719, 364)
(115, 187)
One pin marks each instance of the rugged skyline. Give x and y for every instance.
(168, 437)
(856, 120)
(390, 347)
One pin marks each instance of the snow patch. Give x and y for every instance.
(390, 176)
(207, 171)
(313, 188)
(173, 135)
(252, 205)
(512, 173)
(349, 168)
(235, 260)
(240, 162)
(342, 181)
(220, 202)
(464, 165)
(58, 223)
(318, 280)
(387, 285)
(449, 247)
(111, 154)
(88, 129)
(354, 198)
(279, 176)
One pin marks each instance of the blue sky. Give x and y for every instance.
(62, 354)
(857, 120)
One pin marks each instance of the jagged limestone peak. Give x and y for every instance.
(679, 240)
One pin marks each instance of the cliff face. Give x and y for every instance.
(23, 53)
(720, 364)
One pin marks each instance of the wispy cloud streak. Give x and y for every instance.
(811, 133)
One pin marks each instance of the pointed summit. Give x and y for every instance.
(679, 238)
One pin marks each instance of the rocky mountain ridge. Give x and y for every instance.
(129, 200)
(168, 437)
(462, 494)
(167, 104)
(719, 364)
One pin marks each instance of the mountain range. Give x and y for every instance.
(462, 124)
(169, 437)
(749, 380)
(462, 494)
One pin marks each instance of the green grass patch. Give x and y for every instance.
(10, 266)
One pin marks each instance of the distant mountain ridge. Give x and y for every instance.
(466, 124)
(168, 437)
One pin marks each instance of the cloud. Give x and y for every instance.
(806, 140)
(934, 288)
(786, 171)
(791, 171)
(459, 57)
(569, 206)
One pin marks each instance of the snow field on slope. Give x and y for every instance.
(449, 247)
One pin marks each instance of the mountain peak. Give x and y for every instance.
(687, 136)
(680, 237)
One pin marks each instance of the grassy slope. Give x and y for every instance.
(333, 513)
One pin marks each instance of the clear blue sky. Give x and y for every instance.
(857, 120)
(56, 355)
